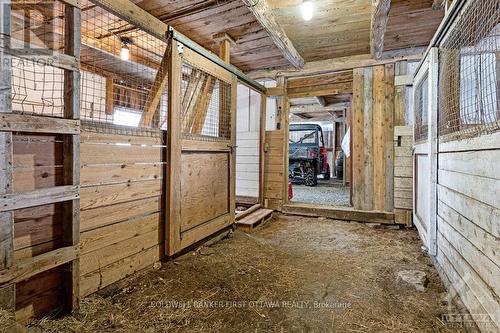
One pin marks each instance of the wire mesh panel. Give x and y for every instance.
(119, 65)
(469, 73)
(205, 105)
(37, 35)
(422, 109)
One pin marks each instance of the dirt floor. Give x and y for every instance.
(327, 192)
(293, 274)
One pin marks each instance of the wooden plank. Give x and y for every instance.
(38, 124)
(367, 185)
(481, 163)
(71, 152)
(380, 17)
(151, 139)
(389, 137)
(403, 80)
(157, 90)
(103, 195)
(337, 213)
(7, 292)
(379, 180)
(58, 60)
(358, 142)
(109, 98)
(118, 154)
(92, 175)
(322, 90)
(29, 267)
(174, 166)
(38, 197)
(204, 230)
(264, 14)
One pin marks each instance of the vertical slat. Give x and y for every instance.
(71, 219)
(368, 139)
(433, 148)
(389, 138)
(378, 138)
(262, 145)
(283, 126)
(357, 138)
(232, 167)
(7, 293)
(173, 197)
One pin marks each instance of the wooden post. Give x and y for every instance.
(7, 293)
(71, 220)
(225, 45)
(109, 96)
(262, 146)
(172, 242)
(433, 147)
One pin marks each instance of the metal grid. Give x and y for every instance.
(470, 73)
(421, 111)
(114, 91)
(37, 32)
(205, 105)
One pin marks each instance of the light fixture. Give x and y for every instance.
(124, 51)
(307, 10)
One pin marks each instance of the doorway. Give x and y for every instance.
(319, 166)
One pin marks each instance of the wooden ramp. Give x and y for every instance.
(254, 219)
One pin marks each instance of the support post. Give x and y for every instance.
(71, 150)
(7, 292)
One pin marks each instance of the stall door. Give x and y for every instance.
(203, 150)
(425, 151)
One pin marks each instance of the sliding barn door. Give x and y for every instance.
(202, 97)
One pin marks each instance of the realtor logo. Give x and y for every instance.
(36, 27)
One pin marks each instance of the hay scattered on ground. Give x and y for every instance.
(292, 275)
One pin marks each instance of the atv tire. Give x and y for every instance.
(311, 178)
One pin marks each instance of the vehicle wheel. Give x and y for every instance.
(327, 173)
(311, 178)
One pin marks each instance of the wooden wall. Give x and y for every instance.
(403, 175)
(121, 206)
(468, 216)
(372, 138)
(274, 175)
(37, 164)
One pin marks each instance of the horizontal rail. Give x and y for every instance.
(13, 122)
(38, 197)
(55, 59)
(24, 269)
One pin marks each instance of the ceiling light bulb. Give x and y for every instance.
(307, 10)
(124, 52)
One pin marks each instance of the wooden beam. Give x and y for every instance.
(130, 12)
(321, 100)
(322, 90)
(315, 108)
(8, 292)
(334, 65)
(34, 265)
(71, 161)
(156, 91)
(109, 102)
(11, 201)
(225, 43)
(264, 14)
(380, 17)
(11, 122)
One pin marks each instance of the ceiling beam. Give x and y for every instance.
(312, 108)
(321, 100)
(263, 13)
(380, 17)
(334, 65)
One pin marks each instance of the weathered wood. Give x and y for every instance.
(263, 13)
(358, 156)
(38, 197)
(380, 17)
(109, 99)
(346, 214)
(173, 197)
(157, 89)
(29, 267)
(57, 60)
(378, 138)
(7, 293)
(367, 202)
(37, 124)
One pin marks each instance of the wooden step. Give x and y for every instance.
(253, 220)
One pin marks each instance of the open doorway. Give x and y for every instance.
(319, 150)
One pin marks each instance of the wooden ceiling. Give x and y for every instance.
(412, 23)
(339, 27)
(201, 19)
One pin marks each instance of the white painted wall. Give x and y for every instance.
(248, 142)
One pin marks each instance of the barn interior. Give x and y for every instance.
(150, 181)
